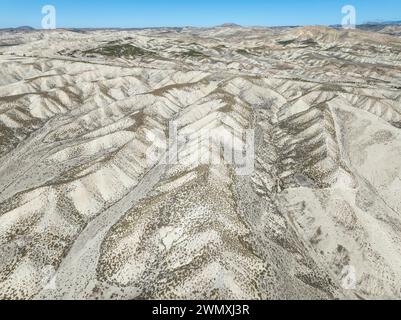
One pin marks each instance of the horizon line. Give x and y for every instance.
(379, 22)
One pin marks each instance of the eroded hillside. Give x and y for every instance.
(86, 214)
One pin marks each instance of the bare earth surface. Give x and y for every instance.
(84, 214)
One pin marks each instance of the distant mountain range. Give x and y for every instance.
(22, 28)
(365, 25)
(383, 23)
(377, 26)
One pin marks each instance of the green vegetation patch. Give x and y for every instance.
(286, 42)
(193, 54)
(121, 50)
(220, 47)
(309, 42)
(243, 51)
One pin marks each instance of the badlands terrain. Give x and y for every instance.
(93, 207)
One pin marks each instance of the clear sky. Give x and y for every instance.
(142, 13)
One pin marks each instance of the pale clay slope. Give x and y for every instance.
(85, 215)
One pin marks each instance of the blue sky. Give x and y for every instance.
(142, 13)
